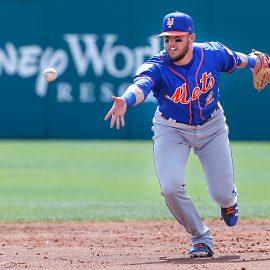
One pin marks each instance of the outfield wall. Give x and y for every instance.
(96, 47)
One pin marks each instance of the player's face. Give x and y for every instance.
(177, 47)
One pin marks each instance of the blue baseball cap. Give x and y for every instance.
(177, 24)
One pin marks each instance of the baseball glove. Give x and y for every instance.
(262, 77)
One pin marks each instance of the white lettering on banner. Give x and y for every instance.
(141, 53)
(87, 94)
(106, 92)
(111, 63)
(28, 64)
(106, 59)
(82, 60)
(8, 61)
(86, 56)
(64, 92)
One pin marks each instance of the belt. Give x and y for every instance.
(175, 121)
(168, 118)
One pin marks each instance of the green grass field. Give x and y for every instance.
(114, 180)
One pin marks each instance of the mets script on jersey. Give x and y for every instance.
(180, 94)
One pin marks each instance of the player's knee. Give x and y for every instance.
(224, 192)
(221, 198)
(173, 191)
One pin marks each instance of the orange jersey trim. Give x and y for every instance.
(184, 79)
(197, 72)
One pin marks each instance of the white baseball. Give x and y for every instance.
(50, 74)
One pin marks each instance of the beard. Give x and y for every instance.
(180, 56)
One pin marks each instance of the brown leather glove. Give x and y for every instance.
(262, 77)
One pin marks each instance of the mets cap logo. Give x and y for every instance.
(170, 22)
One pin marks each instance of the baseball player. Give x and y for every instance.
(184, 79)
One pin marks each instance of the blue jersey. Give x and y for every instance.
(189, 93)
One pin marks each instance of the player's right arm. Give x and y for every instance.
(132, 97)
(135, 94)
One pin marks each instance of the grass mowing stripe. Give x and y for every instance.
(114, 180)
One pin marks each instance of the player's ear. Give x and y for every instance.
(192, 37)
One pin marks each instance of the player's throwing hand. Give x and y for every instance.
(117, 112)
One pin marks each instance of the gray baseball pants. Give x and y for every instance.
(172, 144)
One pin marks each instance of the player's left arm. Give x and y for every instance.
(259, 64)
(249, 61)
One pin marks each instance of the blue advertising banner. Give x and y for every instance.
(96, 48)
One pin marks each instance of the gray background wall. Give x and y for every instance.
(96, 46)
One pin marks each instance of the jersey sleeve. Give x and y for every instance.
(228, 59)
(147, 77)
